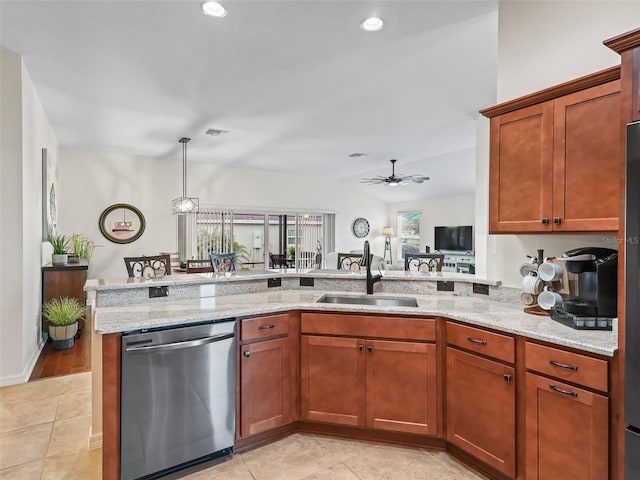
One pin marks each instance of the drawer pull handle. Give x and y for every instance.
(475, 340)
(247, 354)
(266, 327)
(563, 365)
(564, 392)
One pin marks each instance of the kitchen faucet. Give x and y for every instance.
(366, 259)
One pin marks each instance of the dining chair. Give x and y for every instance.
(224, 262)
(146, 267)
(349, 261)
(199, 266)
(423, 262)
(174, 258)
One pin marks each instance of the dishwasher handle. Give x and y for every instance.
(177, 345)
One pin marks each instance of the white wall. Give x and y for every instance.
(451, 210)
(90, 182)
(541, 44)
(25, 131)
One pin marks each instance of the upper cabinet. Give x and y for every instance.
(628, 46)
(556, 159)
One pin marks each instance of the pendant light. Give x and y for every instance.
(184, 205)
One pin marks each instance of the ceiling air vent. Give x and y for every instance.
(356, 155)
(214, 132)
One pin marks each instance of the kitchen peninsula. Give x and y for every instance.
(467, 340)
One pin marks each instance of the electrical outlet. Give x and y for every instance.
(445, 286)
(156, 292)
(306, 282)
(481, 288)
(274, 282)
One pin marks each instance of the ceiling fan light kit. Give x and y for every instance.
(394, 179)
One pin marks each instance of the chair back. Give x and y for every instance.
(146, 267)
(349, 261)
(199, 266)
(224, 262)
(278, 260)
(423, 262)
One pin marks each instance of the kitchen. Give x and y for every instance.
(498, 255)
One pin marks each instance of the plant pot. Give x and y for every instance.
(63, 335)
(59, 259)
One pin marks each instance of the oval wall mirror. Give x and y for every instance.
(121, 223)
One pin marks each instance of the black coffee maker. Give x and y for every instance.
(593, 288)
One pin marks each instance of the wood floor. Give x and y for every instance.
(54, 363)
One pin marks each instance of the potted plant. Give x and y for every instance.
(81, 246)
(59, 244)
(63, 314)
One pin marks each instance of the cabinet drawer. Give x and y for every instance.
(263, 327)
(572, 367)
(481, 341)
(369, 326)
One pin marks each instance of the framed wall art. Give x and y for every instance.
(121, 223)
(49, 195)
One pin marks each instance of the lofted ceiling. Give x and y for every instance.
(298, 85)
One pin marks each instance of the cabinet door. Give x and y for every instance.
(520, 172)
(332, 380)
(567, 433)
(265, 395)
(588, 159)
(480, 409)
(401, 387)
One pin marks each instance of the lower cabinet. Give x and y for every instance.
(265, 376)
(481, 409)
(388, 385)
(567, 426)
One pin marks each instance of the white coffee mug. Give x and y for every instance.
(527, 299)
(532, 284)
(549, 271)
(549, 299)
(528, 268)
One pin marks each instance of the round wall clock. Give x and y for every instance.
(360, 227)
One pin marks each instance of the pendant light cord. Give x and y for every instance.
(184, 141)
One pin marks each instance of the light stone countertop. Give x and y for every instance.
(476, 311)
(204, 278)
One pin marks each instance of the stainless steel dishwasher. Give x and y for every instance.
(177, 397)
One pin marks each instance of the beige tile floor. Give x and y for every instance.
(44, 427)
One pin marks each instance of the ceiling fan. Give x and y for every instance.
(394, 179)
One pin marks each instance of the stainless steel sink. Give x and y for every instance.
(370, 300)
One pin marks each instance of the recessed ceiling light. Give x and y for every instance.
(214, 9)
(372, 24)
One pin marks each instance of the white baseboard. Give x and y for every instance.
(26, 371)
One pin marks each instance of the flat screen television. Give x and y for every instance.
(454, 239)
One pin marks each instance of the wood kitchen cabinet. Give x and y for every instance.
(481, 396)
(265, 374)
(567, 425)
(555, 166)
(356, 381)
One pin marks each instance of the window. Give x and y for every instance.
(408, 233)
(302, 237)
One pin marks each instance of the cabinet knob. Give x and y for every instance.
(360, 347)
(507, 378)
(247, 354)
(545, 221)
(557, 220)
(369, 348)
